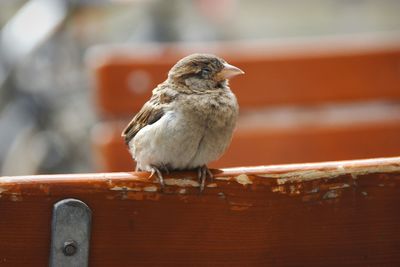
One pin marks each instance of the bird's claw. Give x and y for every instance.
(159, 176)
(202, 173)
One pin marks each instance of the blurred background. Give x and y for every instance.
(51, 51)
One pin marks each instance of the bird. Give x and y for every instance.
(188, 121)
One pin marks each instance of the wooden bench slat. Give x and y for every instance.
(274, 76)
(260, 146)
(327, 214)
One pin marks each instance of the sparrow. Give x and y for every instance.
(188, 121)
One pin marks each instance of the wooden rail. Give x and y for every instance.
(320, 214)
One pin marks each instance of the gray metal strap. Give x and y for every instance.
(70, 234)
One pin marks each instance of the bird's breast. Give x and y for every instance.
(217, 110)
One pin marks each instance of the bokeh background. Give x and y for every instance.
(47, 102)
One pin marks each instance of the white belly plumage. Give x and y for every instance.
(180, 142)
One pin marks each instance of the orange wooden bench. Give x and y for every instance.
(293, 98)
(322, 214)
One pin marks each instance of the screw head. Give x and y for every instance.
(70, 248)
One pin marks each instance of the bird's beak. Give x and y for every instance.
(229, 71)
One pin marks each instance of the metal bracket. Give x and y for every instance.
(70, 233)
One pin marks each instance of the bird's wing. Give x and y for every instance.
(151, 112)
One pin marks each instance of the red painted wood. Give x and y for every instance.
(324, 214)
(269, 145)
(320, 72)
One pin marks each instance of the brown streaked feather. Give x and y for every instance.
(151, 112)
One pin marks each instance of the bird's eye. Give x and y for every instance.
(205, 72)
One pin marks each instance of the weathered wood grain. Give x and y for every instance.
(322, 214)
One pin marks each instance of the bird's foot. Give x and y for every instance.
(203, 172)
(165, 168)
(159, 176)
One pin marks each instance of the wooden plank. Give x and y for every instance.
(268, 145)
(322, 71)
(330, 214)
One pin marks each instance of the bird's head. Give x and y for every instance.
(203, 71)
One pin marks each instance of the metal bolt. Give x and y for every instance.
(70, 248)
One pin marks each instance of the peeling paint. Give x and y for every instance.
(119, 188)
(126, 188)
(339, 186)
(294, 190)
(331, 194)
(313, 191)
(364, 193)
(309, 175)
(212, 185)
(182, 191)
(2, 189)
(181, 182)
(279, 189)
(243, 179)
(140, 196)
(151, 188)
(306, 175)
(291, 190)
(15, 197)
(341, 168)
(223, 178)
